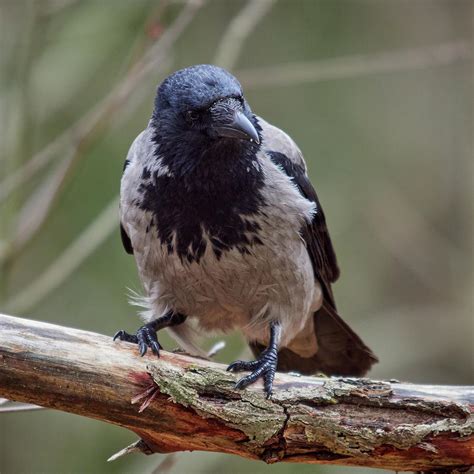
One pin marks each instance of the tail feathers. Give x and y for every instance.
(340, 349)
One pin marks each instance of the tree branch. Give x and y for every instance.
(356, 65)
(181, 403)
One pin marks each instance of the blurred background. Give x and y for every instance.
(378, 95)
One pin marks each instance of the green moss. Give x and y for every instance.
(210, 392)
(168, 378)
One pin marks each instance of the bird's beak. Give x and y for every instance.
(238, 127)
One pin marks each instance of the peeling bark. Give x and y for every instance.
(182, 403)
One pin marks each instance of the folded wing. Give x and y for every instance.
(340, 350)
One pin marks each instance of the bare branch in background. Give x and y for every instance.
(34, 211)
(87, 242)
(191, 404)
(356, 65)
(77, 136)
(405, 241)
(239, 30)
(33, 165)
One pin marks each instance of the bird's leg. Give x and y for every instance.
(146, 335)
(265, 366)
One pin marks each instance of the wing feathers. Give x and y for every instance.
(141, 147)
(340, 349)
(315, 233)
(127, 243)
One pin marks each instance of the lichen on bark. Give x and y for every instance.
(210, 392)
(191, 404)
(322, 414)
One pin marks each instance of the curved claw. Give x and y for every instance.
(155, 347)
(264, 367)
(142, 348)
(244, 382)
(125, 336)
(142, 344)
(145, 337)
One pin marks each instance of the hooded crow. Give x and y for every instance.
(228, 233)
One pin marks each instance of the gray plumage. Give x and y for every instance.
(280, 269)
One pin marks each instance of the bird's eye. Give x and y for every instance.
(192, 115)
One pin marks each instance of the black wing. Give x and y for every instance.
(340, 349)
(314, 233)
(127, 243)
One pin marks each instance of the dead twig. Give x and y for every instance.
(79, 135)
(355, 65)
(83, 246)
(239, 30)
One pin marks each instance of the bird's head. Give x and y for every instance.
(203, 104)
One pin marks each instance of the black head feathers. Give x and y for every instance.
(196, 87)
(202, 107)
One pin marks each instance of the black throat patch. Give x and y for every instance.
(206, 196)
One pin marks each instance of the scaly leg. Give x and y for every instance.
(265, 366)
(146, 335)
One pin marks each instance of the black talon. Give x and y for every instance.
(145, 336)
(240, 365)
(142, 347)
(125, 336)
(155, 347)
(265, 366)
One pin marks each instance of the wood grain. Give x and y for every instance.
(181, 403)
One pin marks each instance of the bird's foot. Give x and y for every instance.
(145, 337)
(265, 366)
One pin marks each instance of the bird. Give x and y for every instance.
(228, 234)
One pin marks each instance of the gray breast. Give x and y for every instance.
(234, 288)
